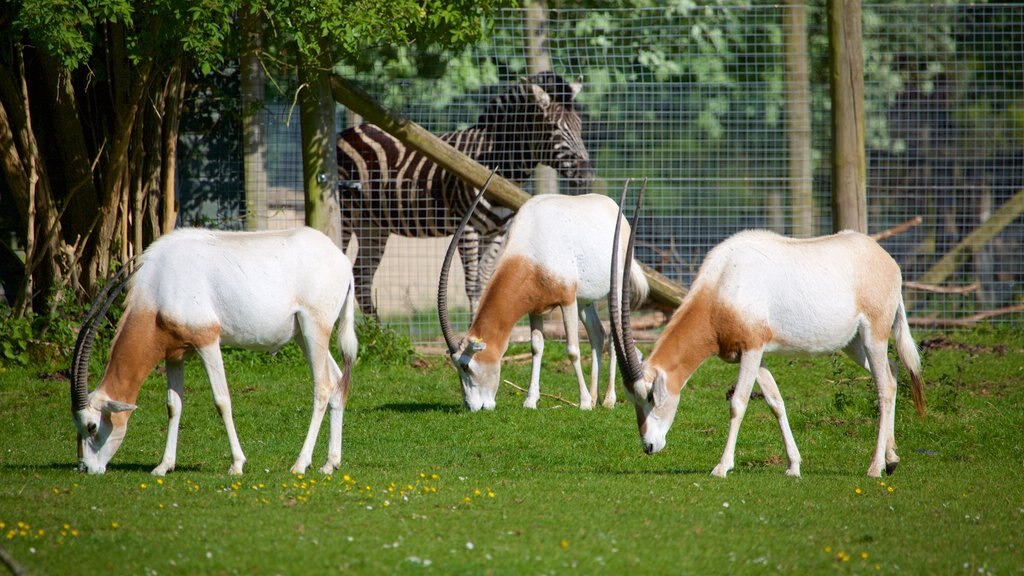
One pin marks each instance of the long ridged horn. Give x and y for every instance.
(614, 312)
(442, 281)
(87, 336)
(622, 334)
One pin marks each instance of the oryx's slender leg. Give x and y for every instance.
(315, 341)
(774, 400)
(885, 378)
(337, 403)
(537, 350)
(595, 333)
(175, 391)
(570, 319)
(214, 364)
(885, 449)
(750, 364)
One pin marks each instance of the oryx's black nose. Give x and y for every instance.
(648, 448)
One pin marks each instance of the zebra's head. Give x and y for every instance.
(537, 123)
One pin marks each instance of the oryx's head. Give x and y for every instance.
(101, 425)
(100, 421)
(478, 373)
(653, 399)
(478, 370)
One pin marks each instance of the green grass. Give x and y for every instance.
(426, 487)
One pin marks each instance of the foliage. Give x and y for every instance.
(70, 30)
(380, 344)
(426, 487)
(110, 77)
(354, 27)
(48, 340)
(18, 335)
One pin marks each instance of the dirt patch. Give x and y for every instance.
(943, 343)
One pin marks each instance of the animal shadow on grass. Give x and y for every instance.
(71, 465)
(419, 407)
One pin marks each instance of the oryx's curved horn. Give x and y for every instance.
(622, 335)
(442, 281)
(87, 335)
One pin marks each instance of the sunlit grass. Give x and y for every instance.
(427, 487)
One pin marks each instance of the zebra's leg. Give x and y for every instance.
(469, 251)
(491, 248)
(372, 242)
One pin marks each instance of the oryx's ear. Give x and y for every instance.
(659, 389)
(113, 406)
(477, 344)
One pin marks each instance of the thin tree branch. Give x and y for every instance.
(545, 394)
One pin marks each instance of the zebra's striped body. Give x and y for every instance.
(387, 188)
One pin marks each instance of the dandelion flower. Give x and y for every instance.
(564, 543)
(857, 490)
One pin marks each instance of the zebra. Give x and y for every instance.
(386, 188)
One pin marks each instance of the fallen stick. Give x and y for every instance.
(971, 320)
(12, 564)
(552, 396)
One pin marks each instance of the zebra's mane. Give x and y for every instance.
(556, 87)
(518, 99)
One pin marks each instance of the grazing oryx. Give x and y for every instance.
(197, 289)
(758, 292)
(556, 256)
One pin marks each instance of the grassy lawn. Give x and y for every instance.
(426, 487)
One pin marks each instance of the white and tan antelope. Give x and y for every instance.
(196, 290)
(556, 255)
(759, 292)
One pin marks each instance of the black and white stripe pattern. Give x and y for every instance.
(387, 188)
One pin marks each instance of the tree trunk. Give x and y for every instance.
(319, 156)
(254, 118)
(42, 224)
(798, 116)
(168, 166)
(535, 22)
(88, 160)
(849, 164)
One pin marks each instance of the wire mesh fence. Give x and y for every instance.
(711, 105)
